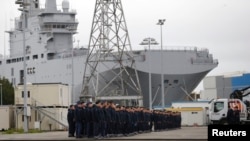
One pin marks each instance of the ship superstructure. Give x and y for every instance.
(51, 57)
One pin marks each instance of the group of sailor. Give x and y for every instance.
(105, 119)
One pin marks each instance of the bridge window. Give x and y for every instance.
(166, 81)
(176, 81)
(35, 57)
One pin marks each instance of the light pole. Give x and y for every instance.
(71, 30)
(72, 62)
(24, 76)
(1, 94)
(161, 22)
(23, 4)
(149, 41)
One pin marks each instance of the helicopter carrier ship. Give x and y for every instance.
(51, 57)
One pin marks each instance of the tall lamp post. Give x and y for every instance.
(72, 68)
(23, 4)
(1, 94)
(72, 30)
(161, 22)
(149, 41)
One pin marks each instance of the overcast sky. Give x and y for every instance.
(221, 26)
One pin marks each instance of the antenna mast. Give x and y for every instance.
(110, 72)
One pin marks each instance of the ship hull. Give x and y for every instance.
(172, 91)
(179, 80)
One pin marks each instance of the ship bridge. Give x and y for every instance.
(57, 21)
(57, 27)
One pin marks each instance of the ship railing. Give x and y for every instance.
(59, 21)
(60, 30)
(204, 61)
(177, 48)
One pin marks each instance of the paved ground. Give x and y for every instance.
(185, 133)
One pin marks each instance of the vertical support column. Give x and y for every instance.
(161, 22)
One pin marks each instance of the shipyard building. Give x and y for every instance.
(221, 86)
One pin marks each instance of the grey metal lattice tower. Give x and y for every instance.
(110, 71)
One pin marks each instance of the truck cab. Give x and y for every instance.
(219, 108)
(218, 111)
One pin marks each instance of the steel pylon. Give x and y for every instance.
(110, 69)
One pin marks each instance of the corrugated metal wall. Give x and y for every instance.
(240, 81)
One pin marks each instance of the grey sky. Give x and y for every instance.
(222, 26)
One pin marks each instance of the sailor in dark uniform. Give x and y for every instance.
(71, 120)
(89, 119)
(78, 118)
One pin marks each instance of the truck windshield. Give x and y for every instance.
(218, 106)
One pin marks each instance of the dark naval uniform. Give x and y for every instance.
(71, 122)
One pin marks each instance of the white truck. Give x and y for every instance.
(219, 107)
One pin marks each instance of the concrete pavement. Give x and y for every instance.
(185, 133)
